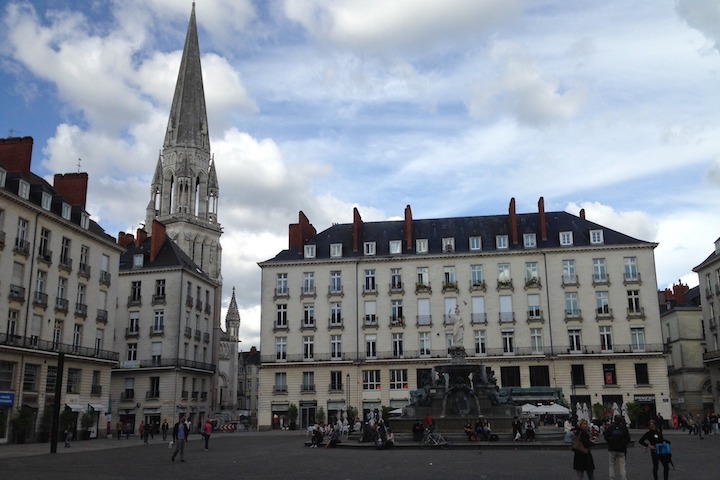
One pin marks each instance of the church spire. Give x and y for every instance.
(187, 126)
(232, 318)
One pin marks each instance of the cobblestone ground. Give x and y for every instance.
(271, 455)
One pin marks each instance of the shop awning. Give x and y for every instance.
(98, 407)
(75, 407)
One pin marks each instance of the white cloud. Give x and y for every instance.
(702, 15)
(634, 223)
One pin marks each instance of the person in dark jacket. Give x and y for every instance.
(180, 435)
(583, 460)
(617, 437)
(650, 441)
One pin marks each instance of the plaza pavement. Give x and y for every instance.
(283, 455)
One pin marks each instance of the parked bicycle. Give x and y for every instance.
(434, 439)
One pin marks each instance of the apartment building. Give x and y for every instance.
(709, 277)
(57, 299)
(358, 314)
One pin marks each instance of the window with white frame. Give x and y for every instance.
(569, 273)
(423, 308)
(448, 244)
(575, 339)
(421, 245)
(566, 239)
(424, 344)
(395, 278)
(478, 314)
(156, 352)
(370, 285)
(501, 242)
(506, 309)
(335, 314)
(132, 352)
(399, 379)
(503, 272)
(480, 342)
(370, 313)
(531, 272)
(84, 220)
(46, 201)
(370, 346)
(536, 341)
(475, 244)
(596, 237)
(534, 311)
(158, 321)
(395, 247)
(423, 276)
(396, 311)
(66, 211)
(281, 320)
(308, 283)
(336, 347)
(508, 342)
(397, 345)
(308, 384)
(631, 269)
(637, 339)
(308, 315)
(602, 303)
(12, 323)
(450, 279)
(369, 248)
(371, 379)
(281, 287)
(308, 347)
(529, 240)
(23, 189)
(633, 297)
(606, 340)
(336, 250)
(309, 251)
(280, 382)
(336, 281)
(449, 339)
(571, 304)
(280, 348)
(599, 270)
(477, 278)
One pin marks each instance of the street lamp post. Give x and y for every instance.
(347, 383)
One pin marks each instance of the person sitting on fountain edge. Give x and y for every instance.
(469, 431)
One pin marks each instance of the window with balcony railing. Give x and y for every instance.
(81, 310)
(105, 277)
(128, 394)
(184, 394)
(17, 293)
(370, 320)
(40, 299)
(65, 263)
(62, 304)
(195, 395)
(84, 270)
(22, 247)
(96, 389)
(102, 316)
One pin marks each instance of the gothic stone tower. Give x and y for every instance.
(184, 192)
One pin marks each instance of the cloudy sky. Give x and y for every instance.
(451, 106)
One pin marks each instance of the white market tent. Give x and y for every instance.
(552, 409)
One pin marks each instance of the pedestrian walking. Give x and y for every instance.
(582, 458)
(206, 432)
(180, 435)
(652, 438)
(617, 437)
(165, 427)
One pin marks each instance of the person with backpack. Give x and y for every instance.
(617, 437)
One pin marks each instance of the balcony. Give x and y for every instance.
(570, 280)
(95, 389)
(448, 319)
(22, 247)
(207, 308)
(188, 332)
(84, 270)
(573, 314)
(195, 395)
(632, 278)
(34, 343)
(163, 362)
(370, 289)
(152, 395)
(158, 299)
(712, 356)
(198, 305)
(17, 293)
(598, 279)
(280, 389)
(206, 338)
(533, 282)
(127, 395)
(423, 288)
(478, 318)
(104, 277)
(307, 388)
(62, 305)
(81, 310)
(189, 301)
(102, 316)
(184, 394)
(449, 287)
(478, 285)
(134, 300)
(40, 299)
(282, 292)
(424, 320)
(45, 256)
(370, 321)
(132, 332)
(198, 335)
(506, 317)
(535, 315)
(65, 263)
(397, 288)
(397, 321)
(157, 330)
(308, 291)
(505, 284)
(203, 396)
(335, 321)
(636, 313)
(604, 313)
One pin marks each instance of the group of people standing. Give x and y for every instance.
(617, 437)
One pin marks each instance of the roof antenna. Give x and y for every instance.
(79, 161)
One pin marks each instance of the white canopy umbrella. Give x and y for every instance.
(552, 409)
(527, 408)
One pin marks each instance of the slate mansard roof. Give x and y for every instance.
(460, 229)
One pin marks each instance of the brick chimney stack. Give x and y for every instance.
(582, 213)
(157, 239)
(513, 222)
(357, 230)
(73, 187)
(140, 237)
(541, 219)
(409, 246)
(16, 154)
(300, 232)
(125, 239)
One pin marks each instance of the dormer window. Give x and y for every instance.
(421, 245)
(566, 239)
(46, 201)
(138, 260)
(336, 250)
(501, 242)
(529, 240)
(596, 237)
(24, 189)
(84, 220)
(475, 244)
(309, 251)
(395, 247)
(66, 211)
(448, 244)
(369, 248)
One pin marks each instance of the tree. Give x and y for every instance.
(292, 415)
(598, 411)
(634, 410)
(21, 424)
(320, 415)
(45, 424)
